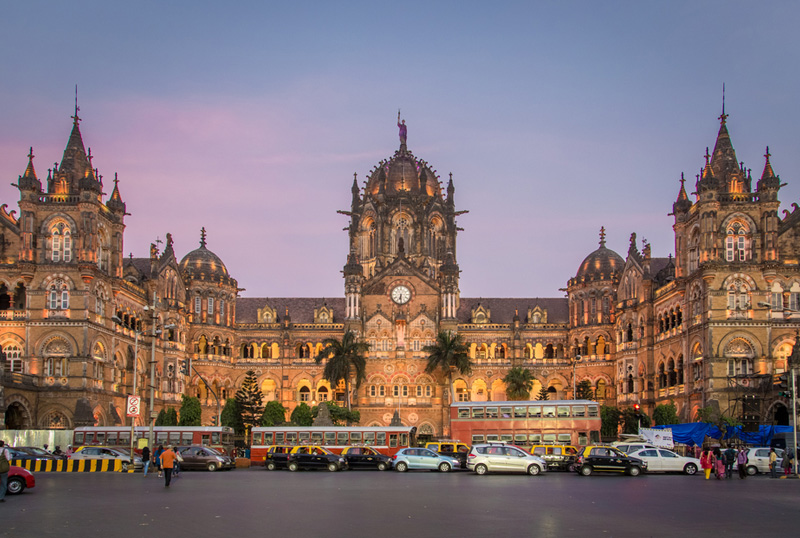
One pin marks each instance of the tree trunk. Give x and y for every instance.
(347, 392)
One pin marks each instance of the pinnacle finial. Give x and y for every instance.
(602, 236)
(683, 180)
(203, 237)
(767, 154)
(30, 154)
(75, 118)
(723, 116)
(708, 156)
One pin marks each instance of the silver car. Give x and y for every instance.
(108, 453)
(495, 457)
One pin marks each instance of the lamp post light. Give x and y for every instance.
(118, 321)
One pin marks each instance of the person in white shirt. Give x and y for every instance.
(5, 462)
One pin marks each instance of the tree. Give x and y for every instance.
(665, 414)
(250, 398)
(610, 418)
(231, 415)
(345, 357)
(519, 383)
(631, 421)
(301, 416)
(712, 415)
(339, 415)
(171, 418)
(191, 412)
(161, 417)
(583, 391)
(274, 414)
(543, 394)
(448, 354)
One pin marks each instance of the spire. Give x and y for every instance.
(602, 237)
(723, 161)
(28, 180)
(29, 171)
(451, 190)
(682, 204)
(768, 172)
(115, 203)
(75, 162)
(768, 181)
(203, 237)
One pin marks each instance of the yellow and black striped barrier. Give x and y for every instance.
(72, 466)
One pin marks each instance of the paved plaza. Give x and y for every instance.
(255, 502)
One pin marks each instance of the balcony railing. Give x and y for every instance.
(13, 314)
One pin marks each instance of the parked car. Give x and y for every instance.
(558, 457)
(31, 453)
(18, 480)
(630, 447)
(454, 449)
(608, 459)
(107, 453)
(758, 459)
(422, 458)
(315, 457)
(366, 457)
(499, 457)
(277, 457)
(667, 461)
(204, 457)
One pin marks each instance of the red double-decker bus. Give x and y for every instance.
(218, 437)
(527, 423)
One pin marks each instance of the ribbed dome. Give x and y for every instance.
(201, 263)
(403, 173)
(602, 264)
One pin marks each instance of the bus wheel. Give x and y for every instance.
(270, 465)
(402, 467)
(382, 466)
(481, 469)
(292, 466)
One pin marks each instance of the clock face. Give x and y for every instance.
(401, 294)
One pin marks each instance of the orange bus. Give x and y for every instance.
(387, 440)
(219, 437)
(527, 423)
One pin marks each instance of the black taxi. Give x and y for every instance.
(277, 457)
(366, 457)
(315, 457)
(596, 458)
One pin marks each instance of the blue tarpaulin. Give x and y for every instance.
(695, 433)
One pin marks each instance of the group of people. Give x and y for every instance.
(166, 460)
(721, 463)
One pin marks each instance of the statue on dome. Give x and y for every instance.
(403, 128)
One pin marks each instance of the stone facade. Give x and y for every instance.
(75, 315)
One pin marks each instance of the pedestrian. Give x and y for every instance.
(176, 468)
(719, 465)
(45, 447)
(707, 462)
(5, 466)
(157, 458)
(741, 463)
(788, 456)
(167, 463)
(146, 459)
(773, 463)
(730, 461)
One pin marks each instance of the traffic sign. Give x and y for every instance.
(134, 405)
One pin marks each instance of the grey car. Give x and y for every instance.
(203, 457)
(496, 457)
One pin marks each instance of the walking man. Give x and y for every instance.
(167, 463)
(741, 461)
(730, 461)
(5, 466)
(146, 459)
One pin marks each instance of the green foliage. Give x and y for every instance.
(161, 417)
(519, 383)
(171, 418)
(345, 357)
(340, 416)
(630, 422)
(301, 416)
(583, 390)
(610, 418)
(274, 414)
(250, 398)
(191, 412)
(231, 415)
(665, 414)
(450, 355)
(712, 415)
(543, 394)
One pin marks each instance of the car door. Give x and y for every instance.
(652, 458)
(428, 458)
(760, 458)
(670, 461)
(516, 459)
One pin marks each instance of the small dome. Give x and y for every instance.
(602, 264)
(201, 263)
(403, 173)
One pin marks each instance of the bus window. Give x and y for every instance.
(174, 438)
(582, 439)
(268, 438)
(578, 411)
(392, 440)
(124, 439)
(161, 438)
(592, 410)
(535, 411)
(535, 438)
(303, 437)
(564, 438)
(341, 438)
(369, 438)
(477, 439)
(291, 438)
(215, 438)
(490, 438)
(316, 438)
(187, 438)
(100, 437)
(563, 411)
(279, 438)
(491, 412)
(111, 439)
(78, 438)
(463, 412)
(477, 412)
(330, 438)
(520, 439)
(403, 439)
(381, 440)
(520, 412)
(355, 438)
(506, 437)
(258, 438)
(549, 411)
(549, 438)
(505, 412)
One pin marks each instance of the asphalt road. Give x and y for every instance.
(256, 503)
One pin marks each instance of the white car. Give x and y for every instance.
(661, 460)
(758, 459)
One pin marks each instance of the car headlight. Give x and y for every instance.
(219, 459)
(341, 460)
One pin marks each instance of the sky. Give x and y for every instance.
(249, 118)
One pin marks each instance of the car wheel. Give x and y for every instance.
(212, 466)
(402, 467)
(382, 466)
(481, 469)
(15, 485)
(634, 471)
(270, 465)
(533, 469)
(125, 466)
(332, 467)
(292, 466)
(690, 469)
(444, 467)
(752, 470)
(572, 468)
(586, 470)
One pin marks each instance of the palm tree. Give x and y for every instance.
(345, 357)
(448, 354)
(519, 383)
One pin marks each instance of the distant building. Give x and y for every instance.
(686, 329)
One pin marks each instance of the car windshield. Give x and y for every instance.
(37, 451)
(213, 451)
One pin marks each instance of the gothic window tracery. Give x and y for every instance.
(61, 242)
(737, 239)
(58, 295)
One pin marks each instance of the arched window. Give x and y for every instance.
(60, 243)
(322, 394)
(304, 394)
(662, 376)
(738, 295)
(679, 368)
(736, 243)
(13, 358)
(630, 384)
(776, 297)
(672, 378)
(58, 295)
(99, 355)
(694, 248)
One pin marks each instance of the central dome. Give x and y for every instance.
(202, 264)
(602, 264)
(403, 173)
